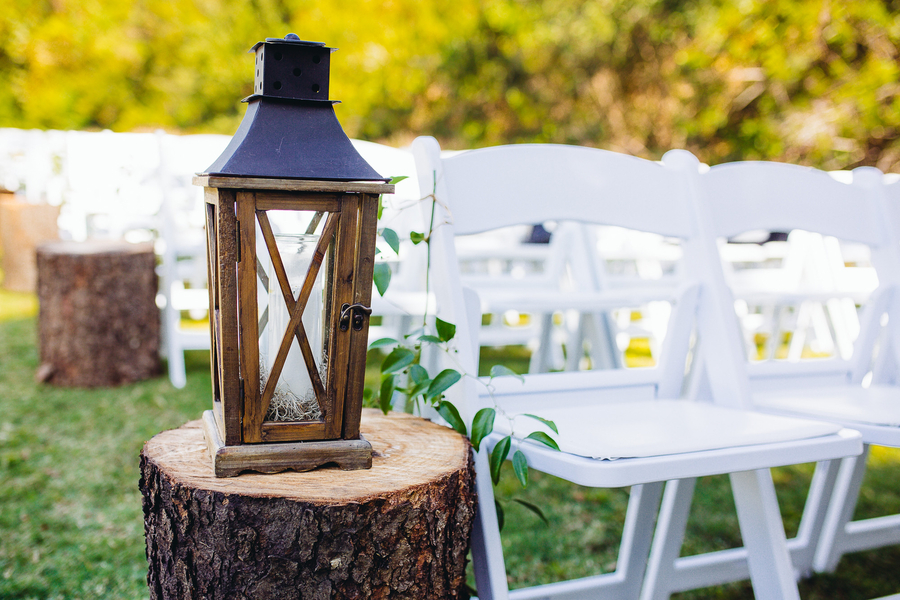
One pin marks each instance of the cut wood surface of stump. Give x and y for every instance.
(398, 530)
(98, 324)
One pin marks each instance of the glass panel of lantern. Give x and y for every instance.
(293, 388)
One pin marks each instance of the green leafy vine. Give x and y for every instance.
(402, 373)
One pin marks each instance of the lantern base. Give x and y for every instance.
(229, 461)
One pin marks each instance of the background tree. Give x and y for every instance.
(807, 81)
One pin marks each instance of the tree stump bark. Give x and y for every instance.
(99, 324)
(398, 530)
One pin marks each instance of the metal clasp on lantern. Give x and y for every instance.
(358, 310)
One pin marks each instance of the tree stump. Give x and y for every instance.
(22, 227)
(398, 530)
(99, 324)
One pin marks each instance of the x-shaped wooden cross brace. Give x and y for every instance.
(295, 327)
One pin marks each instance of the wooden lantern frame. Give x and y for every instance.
(237, 435)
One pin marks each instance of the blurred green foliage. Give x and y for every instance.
(807, 81)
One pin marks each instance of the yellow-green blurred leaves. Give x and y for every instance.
(809, 81)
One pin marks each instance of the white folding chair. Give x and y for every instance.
(632, 416)
(182, 248)
(754, 195)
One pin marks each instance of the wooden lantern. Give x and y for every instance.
(289, 311)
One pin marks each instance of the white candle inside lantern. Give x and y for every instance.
(294, 398)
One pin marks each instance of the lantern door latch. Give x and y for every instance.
(358, 312)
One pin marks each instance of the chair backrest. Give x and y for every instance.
(480, 190)
(753, 195)
(887, 366)
(737, 197)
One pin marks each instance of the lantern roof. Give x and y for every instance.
(290, 130)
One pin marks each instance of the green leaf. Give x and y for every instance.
(380, 207)
(482, 426)
(418, 374)
(444, 380)
(397, 179)
(380, 343)
(533, 508)
(430, 338)
(500, 518)
(398, 359)
(382, 277)
(415, 237)
(445, 330)
(418, 389)
(392, 239)
(498, 455)
(419, 380)
(502, 371)
(387, 393)
(520, 467)
(540, 436)
(546, 422)
(451, 415)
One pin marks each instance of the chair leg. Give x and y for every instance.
(803, 547)
(487, 551)
(669, 537)
(840, 512)
(174, 349)
(624, 584)
(762, 530)
(643, 503)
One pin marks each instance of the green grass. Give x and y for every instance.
(71, 524)
(585, 530)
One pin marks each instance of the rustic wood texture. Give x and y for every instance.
(248, 316)
(99, 324)
(345, 247)
(229, 461)
(398, 530)
(226, 318)
(362, 294)
(212, 275)
(296, 185)
(23, 227)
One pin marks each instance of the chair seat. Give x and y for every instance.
(876, 405)
(874, 411)
(643, 429)
(673, 439)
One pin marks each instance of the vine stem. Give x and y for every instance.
(428, 248)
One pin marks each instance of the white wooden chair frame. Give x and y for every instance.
(542, 172)
(744, 196)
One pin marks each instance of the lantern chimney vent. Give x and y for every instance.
(291, 68)
(290, 130)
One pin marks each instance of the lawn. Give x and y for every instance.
(70, 511)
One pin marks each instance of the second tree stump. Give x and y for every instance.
(99, 324)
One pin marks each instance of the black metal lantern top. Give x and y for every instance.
(290, 130)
